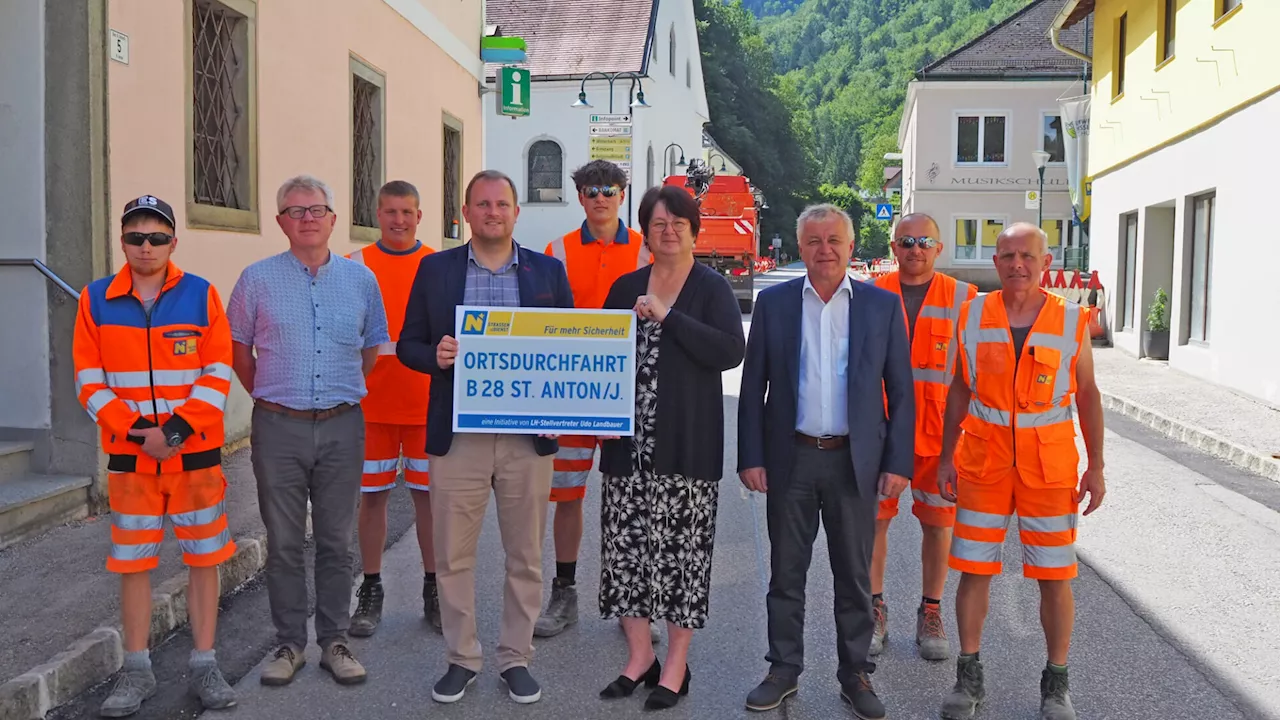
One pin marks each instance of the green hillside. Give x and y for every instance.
(850, 61)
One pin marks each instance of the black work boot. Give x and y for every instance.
(1055, 695)
(862, 698)
(431, 603)
(968, 693)
(368, 609)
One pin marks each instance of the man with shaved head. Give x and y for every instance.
(931, 303)
(1024, 355)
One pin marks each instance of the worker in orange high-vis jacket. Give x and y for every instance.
(153, 368)
(1024, 355)
(595, 255)
(395, 411)
(931, 302)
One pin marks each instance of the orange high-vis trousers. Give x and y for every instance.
(927, 504)
(1047, 519)
(572, 466)
(192, 500)
(384, 444)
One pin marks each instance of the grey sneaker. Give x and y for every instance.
(931, 637)
(561, 612)
(1055, 696)
(208, 684)
(968, 692)
(881, 632)
(133, 687)
(368, 615)
(431, 604)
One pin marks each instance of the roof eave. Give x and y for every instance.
(1072, 12)
(971, 77)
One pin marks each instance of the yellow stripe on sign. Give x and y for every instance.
(499, 323)
(570, 325)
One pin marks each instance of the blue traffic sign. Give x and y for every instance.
(884, 211)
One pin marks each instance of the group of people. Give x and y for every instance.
(850, 394)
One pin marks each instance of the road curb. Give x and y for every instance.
(1247, 458)
(96, 656)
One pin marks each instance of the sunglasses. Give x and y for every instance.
(156, 239)
(297, 211)
(593, 192)
(924, 243)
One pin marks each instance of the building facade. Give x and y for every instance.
(210, 105)
(970, 125)
(1185, 108)
(654, 40)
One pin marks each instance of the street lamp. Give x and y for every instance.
(666, 154)
(1042, 158)
(636, 101)
(722, 165)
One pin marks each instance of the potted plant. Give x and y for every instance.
(1155, 339)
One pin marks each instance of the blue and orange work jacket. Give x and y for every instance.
(170, 369)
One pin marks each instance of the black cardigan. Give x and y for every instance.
(701, 338)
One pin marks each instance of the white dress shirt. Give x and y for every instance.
(824, 362)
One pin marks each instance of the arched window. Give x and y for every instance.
(545, 165)
(648, 166)
(671, 54)
(688, 74)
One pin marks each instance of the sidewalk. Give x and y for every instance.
(1212, 418)
(57, 593)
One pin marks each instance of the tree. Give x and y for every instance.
(756, 117)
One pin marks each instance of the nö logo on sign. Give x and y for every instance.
(474, 322)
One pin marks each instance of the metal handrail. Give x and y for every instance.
(44, 270)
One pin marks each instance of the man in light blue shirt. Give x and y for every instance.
(315, 320)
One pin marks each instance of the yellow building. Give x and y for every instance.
(1182, 154)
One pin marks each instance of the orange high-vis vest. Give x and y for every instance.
(593, 265)
(396, 394)
(1020, 412)
(933, 352)
(170, 369)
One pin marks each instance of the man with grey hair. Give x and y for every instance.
(826, 424)
(315, 320)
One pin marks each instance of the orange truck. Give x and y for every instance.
(730, 237)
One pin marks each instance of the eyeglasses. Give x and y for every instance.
(660, 226)
(156, 239)
(297, 211)
(593, 192)
(924, 242)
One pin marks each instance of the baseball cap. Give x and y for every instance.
(149, 204)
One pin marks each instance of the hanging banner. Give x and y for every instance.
(1075, 126)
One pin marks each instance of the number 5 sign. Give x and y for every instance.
(514, 83)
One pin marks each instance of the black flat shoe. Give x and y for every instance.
(625, 686)
(663, 698)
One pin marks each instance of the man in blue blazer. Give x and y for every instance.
(491, 271)
(826, 424)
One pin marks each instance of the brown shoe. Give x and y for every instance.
(286, 661)
(342, 665)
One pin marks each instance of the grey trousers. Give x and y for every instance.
(821, 487)
(295, 460)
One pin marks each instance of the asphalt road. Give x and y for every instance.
(1176, 617)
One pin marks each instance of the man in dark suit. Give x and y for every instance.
(837, 430)
(491, 271)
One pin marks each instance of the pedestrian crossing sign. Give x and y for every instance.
(884, 211)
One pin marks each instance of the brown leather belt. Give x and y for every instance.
(306, 414)
(828, 442)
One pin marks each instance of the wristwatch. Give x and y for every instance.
(174, 439)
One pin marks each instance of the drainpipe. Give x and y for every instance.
(1056, 28)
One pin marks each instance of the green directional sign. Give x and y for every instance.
(513, 84)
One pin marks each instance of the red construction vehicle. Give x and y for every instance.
(730, 235)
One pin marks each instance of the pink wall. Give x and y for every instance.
(304, 114)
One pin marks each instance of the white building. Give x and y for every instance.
(654, 40)
(969, 127)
